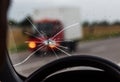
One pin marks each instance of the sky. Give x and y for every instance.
(90, 10)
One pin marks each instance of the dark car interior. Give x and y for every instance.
(58, 70)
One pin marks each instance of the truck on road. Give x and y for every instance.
(55, 29)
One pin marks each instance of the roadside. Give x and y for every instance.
(17, 42)
(108, 49)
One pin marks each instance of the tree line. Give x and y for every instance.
(102, 23)
(26, 22)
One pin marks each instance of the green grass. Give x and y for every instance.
(19, 48)
(104, 36)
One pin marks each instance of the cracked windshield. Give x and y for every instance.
(41, 31)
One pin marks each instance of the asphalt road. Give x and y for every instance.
(108, 49)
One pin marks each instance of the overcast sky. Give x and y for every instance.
(90, 10)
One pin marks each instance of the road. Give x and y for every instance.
(108, 49)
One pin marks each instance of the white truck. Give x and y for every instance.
(70, 18)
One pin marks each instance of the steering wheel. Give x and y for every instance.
(73, 61)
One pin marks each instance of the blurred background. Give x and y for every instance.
(41, 31)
